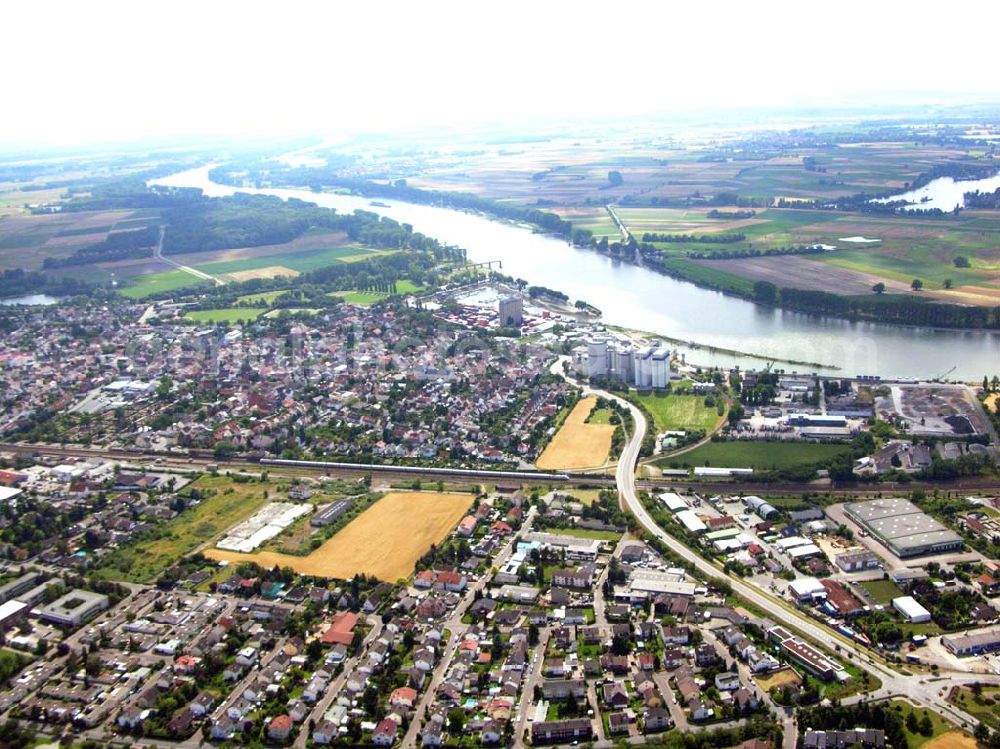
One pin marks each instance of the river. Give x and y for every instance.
(29, 299)
(944, 193)
(634, 297)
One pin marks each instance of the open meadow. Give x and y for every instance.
(26, 241)
(154, 283)
(578, 444)
(678, 411)
(141, 277)
(229, 503)
(368, 298)
(385, 540)
(762, 456)
(225, 315)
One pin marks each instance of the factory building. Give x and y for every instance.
(642, 367)
(647, 367)
(902, 527)
(597, 358)
(511, 312)
(660, 368)
(620, 363)
(972, 643)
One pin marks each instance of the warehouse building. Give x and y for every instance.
(581, 549)
(674, 502)
(511, 312)
(762, 509)
(691, 521)
(330, 514)
(911, 610)
(854, 560)
(903, 528)
(806, 589)
(804, 552)
(816, 420)
(973, 643)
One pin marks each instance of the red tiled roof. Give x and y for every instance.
(341, 629)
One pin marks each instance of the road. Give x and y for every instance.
(335, 686)
(456, 627)
(626, 234)
(158, 255)
(927, 694)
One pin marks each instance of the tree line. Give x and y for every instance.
(320, 177)
(728, 238)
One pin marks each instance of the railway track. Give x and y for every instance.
(202, 459)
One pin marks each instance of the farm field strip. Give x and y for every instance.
(759, 455)
(385, 540)
(578, 444)
(675, 411)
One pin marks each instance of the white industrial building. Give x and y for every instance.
(263, 525)
(714, 472)
(784, 544)
(804, 552)
(642, 367)
(647, 367)
(911, 610)
(692, 522)
(806, 589)
(674, 502)
(511, 312)
(660, 368)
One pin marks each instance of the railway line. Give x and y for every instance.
(203, 459)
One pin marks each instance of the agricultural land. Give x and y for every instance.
(385, 541)
(578, 444)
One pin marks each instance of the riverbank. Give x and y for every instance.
(633, 332)
(635, 297)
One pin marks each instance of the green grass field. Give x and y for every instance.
(368, 298)
(922, 248)
(153, 283)
(882, 591)
(292, 311)
(600, 416)
(679, 412)
(760, 455)
(263, 297)
(226, 314)
(914, 739)
(588, 533)
(303, 262)
(144, 560)
(985, 707)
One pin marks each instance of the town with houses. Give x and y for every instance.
(546, 614)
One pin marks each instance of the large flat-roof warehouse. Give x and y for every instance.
(903, 527)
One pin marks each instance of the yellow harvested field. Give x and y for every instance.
(271, 271)
(982, 296)
(385, 540)
(578, 444)
(991, 402)
(951, 740)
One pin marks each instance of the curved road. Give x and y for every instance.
(923, 691)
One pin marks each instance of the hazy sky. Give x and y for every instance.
(85, 71)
